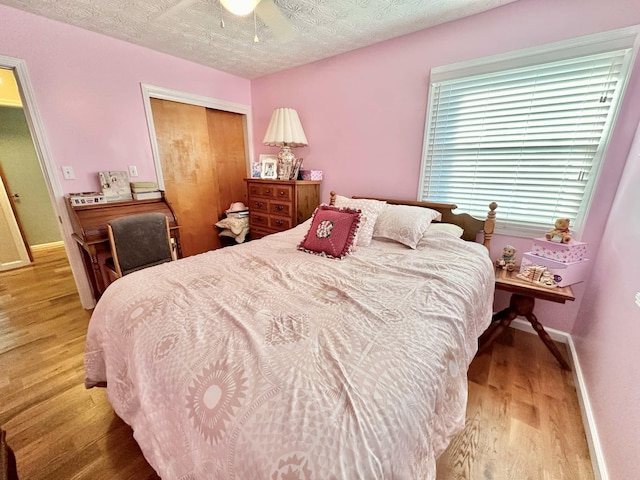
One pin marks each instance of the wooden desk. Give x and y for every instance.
(522, 303)
(90, 231)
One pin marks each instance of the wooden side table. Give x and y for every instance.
(522, 303)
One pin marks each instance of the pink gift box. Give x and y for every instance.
(573, 251)
(563, 273)
(311, 174)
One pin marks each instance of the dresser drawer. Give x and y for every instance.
(279, 223)
(259, 233)
(268, 190)
(254, 190)
(258, 205)
(281, 208)
(259, 220)
(283, 193)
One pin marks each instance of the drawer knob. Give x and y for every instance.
(282, 193)
(279, 222)
(267, 191)
(279, 207)
(259, 204)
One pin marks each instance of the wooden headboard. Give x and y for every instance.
(472, 226)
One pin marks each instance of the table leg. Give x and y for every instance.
(499, 322)
(519, 305)
(544, 336)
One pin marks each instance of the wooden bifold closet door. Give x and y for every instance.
(203, 158)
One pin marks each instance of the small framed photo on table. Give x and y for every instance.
(269, 166)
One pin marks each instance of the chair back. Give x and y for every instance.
(139, 241)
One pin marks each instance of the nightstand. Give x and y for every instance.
(278, 205)
(522, 302)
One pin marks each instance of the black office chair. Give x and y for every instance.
(138, 241)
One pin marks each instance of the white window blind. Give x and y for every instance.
(528, 138)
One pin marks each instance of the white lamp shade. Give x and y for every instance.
(240, 7)
(285, 129)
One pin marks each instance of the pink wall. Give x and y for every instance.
(87, 88)
(364, 111)
(608, 342)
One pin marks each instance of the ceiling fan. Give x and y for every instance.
(266, 10)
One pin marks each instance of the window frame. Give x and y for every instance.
(622, 39)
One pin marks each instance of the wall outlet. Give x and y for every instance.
(68, 174)
(133, 171)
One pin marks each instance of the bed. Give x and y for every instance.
(263, 361)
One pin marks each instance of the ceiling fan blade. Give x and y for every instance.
(273, 18)
(175, 8)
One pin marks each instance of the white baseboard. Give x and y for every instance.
(44, 246)
(595, 448)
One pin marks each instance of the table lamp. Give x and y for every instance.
(285, 131)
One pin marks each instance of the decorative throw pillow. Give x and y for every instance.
(332, 232)
(450, 228)
(404, 223)
(370, 210)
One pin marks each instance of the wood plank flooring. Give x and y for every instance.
(57, 428)
(523, 420)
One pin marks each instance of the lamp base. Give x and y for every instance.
(286, 160)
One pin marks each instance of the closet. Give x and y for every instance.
(204, 161)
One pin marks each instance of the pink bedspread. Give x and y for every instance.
(263, 362)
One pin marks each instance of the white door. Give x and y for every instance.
(13, 252)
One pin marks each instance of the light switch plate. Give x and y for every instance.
(67, 172)
(133, 171)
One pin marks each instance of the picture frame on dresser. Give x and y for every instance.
(268, 166)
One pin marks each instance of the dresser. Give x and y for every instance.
(277, 205)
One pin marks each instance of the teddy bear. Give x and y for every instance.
(508, 259)
(561, 232)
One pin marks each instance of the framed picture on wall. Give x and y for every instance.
(268, 166)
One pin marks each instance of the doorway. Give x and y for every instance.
(47, 173)
(201, 151)
(27, 212)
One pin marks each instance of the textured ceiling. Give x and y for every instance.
(192, 29)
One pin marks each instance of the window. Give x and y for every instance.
(527, 130)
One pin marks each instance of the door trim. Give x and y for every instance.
(43, 152)
(152, 91)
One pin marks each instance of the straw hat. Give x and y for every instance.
(237, 207)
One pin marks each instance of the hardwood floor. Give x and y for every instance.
(57, 428)
(523, 420)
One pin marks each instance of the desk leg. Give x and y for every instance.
(519, 305)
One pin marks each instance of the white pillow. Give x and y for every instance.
(370, 210)
(451, 228)
(404, 223)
